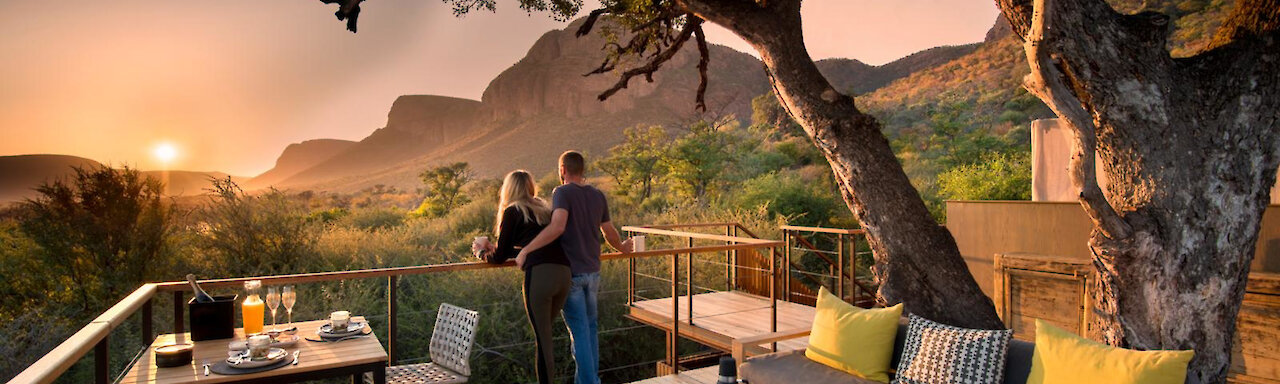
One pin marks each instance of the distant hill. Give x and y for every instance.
(298, 157)
(21, 174)
(542, 105)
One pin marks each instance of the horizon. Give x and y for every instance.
(230, 89)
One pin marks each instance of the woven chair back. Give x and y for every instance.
(452, 338)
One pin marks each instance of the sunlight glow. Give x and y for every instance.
(165, 152)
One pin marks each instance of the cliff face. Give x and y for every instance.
(549, 81)
(297, 157)
(416, 125)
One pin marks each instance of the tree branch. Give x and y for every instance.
(704, 58)
(348, 10)
(1046, 82)
(692, 24)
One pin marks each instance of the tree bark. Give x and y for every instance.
(1190, 147)
(917, 261)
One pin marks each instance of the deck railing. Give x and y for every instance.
(95, 335)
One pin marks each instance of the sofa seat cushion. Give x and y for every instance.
(792, 367)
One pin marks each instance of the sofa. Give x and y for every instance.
(793, 367)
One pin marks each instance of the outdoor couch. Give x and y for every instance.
(792, 367)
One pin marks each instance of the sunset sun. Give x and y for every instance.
(165, 152)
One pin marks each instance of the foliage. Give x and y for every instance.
(1000, 176)
(695, 161)
(444, 189)
(253, 234)
(637, 162)
(789, 196)
(100, 229)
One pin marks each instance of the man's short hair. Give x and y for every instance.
(573, 163)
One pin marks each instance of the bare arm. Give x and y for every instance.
(553, 230)
(611, 236)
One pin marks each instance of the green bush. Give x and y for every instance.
(997, 177)
(787, 195)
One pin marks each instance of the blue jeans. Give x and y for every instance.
(581, 316)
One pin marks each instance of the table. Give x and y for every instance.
(352, 357)
(707, 375)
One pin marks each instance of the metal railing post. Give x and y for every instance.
(147, 333)
(673, 354)
(101, 361)
(631, 276)
(786, 267)
(734, 278)
(728, 261)
(840, 266)
(392, 322)
(178, 326)
(688, 281)
(773, 293)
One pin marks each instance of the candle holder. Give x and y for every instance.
(172, 355)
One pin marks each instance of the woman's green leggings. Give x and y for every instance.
(545, 288)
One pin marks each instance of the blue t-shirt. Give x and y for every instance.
(587, 209)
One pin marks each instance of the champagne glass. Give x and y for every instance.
(273, 302)
(289, 297)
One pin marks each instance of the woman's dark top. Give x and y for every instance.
(516, 233)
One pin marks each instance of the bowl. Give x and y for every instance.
(173, 355)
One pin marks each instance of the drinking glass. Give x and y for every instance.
(273, 302)
(289, 297)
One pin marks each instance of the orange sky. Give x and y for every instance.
(232, 82)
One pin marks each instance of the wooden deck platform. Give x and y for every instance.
(720, 317)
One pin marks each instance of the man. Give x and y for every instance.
(578, 211)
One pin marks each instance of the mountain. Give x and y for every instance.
(859, 78)
(543, 105)
(20, 174)
(297, 157)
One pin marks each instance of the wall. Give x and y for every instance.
(984, 228)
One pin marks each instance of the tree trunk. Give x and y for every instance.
(917, 261)
(1190, 146)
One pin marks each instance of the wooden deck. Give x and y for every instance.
(720, 317)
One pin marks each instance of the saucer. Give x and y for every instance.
(241, 359)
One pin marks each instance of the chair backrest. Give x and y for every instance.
(452, 338)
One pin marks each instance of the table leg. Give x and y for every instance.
(380, 375)
(357, 378)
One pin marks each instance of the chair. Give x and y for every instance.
(450, 350)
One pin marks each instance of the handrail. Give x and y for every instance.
(841, 231)
(94, 335)
(703, 236)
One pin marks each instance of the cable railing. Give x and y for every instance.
(93, 339)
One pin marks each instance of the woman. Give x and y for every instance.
(521, 216)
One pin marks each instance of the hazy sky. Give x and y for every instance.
(230, 83)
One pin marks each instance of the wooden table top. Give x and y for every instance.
(315, 356)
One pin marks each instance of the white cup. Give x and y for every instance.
(637, 243)
(478, 245)
(259, 345)
(339, 319)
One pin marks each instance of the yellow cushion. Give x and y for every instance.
(851, 339)
(1063, 357)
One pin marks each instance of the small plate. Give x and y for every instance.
(242, 360)
(353, 327)
(282, 341)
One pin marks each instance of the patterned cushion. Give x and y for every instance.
(942, 354)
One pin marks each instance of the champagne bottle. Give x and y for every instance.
(201, 296)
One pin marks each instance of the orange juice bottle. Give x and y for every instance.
(252, 308)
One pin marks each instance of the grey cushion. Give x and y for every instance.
(792, 367)
(942, 354)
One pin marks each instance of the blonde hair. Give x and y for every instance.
(519, 190)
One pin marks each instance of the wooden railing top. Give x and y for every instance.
(856, 231)
(704, 236)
